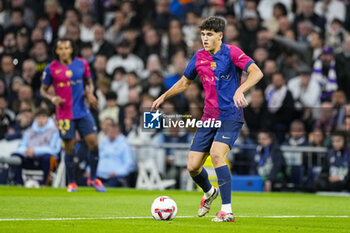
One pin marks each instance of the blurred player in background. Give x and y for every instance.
(220, 67)
(70, 77)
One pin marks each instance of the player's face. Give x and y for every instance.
(337, 142)
(112, 133)
(64, 51)
(211, 40)
(264, 139)
(297, 131)
(41, 120)
(3, 106)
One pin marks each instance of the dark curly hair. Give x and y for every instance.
(74, 53)
(213, 23)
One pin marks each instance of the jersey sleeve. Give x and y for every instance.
(87, 73)
(190, 71)
(239, 58)
(47, 78)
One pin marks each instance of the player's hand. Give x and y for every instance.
(57, 101)
(92, 100)
(334, 178)
(239, 99)
(10, 131)
(113, 174)
(267, 186)
(157, 103)
(29, 152)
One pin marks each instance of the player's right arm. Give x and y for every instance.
(190, 74)
(44, 89)
(56, 100)
(179, 87)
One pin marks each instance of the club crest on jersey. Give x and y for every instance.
(69, 73)
(213, 65)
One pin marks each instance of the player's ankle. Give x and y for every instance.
(209, 193)
(226, 208)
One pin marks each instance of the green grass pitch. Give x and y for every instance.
(55, 210)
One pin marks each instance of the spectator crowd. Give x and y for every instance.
(138, 49)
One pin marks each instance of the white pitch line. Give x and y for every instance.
(297, 216)
(140, 217)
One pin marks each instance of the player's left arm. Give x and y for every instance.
(89, 85)
(254, 76)
(89, 93)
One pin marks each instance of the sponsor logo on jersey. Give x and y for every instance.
(69, 73)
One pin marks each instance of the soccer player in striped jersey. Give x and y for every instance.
(71, 79)
(219, 66)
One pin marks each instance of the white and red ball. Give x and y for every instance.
(163, 208)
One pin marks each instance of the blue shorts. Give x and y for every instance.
(227, 133)
(85, 126)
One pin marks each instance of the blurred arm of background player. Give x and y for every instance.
(178, 88)
(56, 100)
(89, 92)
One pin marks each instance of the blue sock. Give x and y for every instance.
(224, 181)
(93, 160)
(70, 168)
(202, 180)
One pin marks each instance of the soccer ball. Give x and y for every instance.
(163, 208)
(31, 184)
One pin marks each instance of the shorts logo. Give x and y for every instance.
(225, 137)
(151, 120)
(213, 65)
(69, 73)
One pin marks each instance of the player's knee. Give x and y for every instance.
(69, 146)
(193, 169)
(69, 150)
(93, 145)
(216, 157)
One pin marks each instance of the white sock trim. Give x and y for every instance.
(209, 193)
(226, 208)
